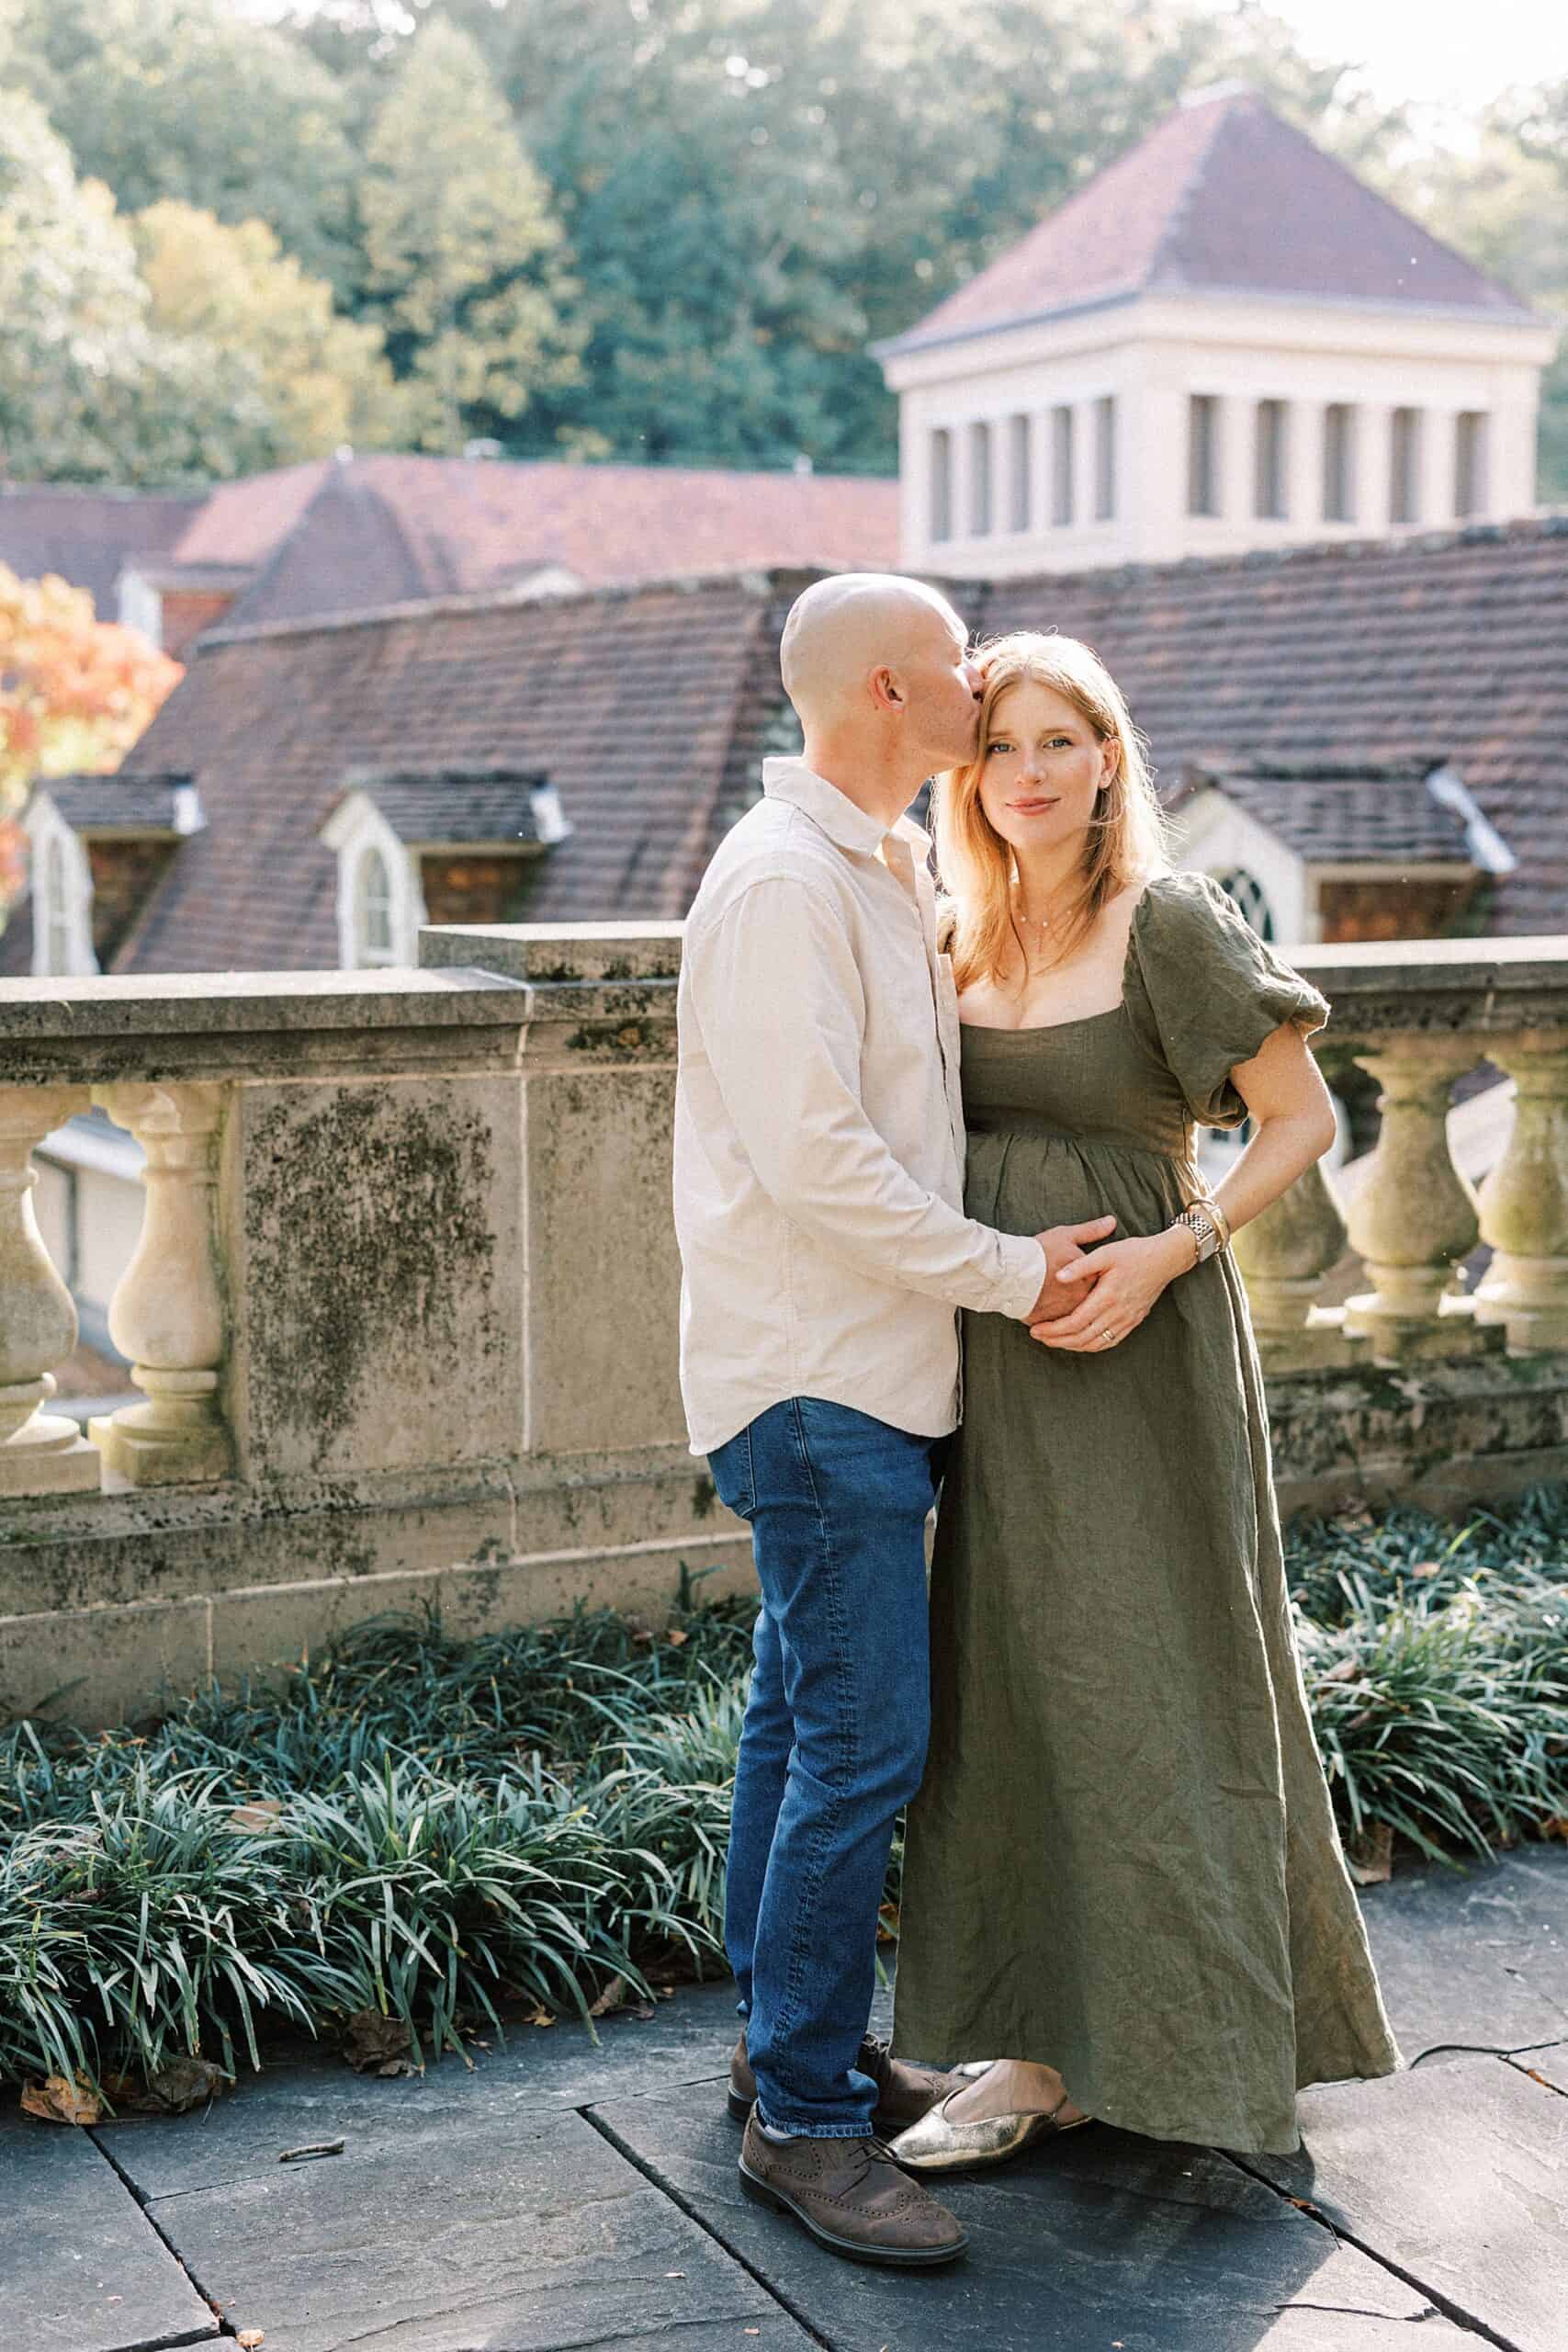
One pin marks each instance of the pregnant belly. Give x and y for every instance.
(1021, 1183)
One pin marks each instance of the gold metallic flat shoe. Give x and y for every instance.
(939, 2142)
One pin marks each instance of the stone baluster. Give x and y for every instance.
(167, 1310)
(1285, 1256)
(40, 1454)
(1524, 1202)
(1415, 1218)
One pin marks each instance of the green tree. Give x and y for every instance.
(712, 222)
(324, 379)
(188, 100)
(88, 391)
(464, 265)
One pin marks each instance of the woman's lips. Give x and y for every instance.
(1030, 808)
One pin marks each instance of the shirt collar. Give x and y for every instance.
(843, 822)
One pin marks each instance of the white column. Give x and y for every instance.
(39, 1452)
(1151, 449)
(167, 1310)
(1512, 431)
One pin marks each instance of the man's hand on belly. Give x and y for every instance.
(1063, 1244)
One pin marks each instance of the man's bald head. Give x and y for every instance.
(841, 632)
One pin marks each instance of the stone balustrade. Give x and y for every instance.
(403, 1312)
(1420, 1017)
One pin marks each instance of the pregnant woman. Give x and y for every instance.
(1123, 1879)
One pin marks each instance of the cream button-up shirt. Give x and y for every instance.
(818, 1167)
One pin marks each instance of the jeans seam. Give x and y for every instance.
(816, 1869)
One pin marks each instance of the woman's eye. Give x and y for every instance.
(1002, 744)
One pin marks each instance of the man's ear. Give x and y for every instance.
(887, 691)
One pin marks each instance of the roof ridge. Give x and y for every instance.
(485, 599)
(1187, 195)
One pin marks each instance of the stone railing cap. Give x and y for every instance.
(543, 954)
(171, 1003)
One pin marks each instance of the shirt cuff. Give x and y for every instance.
(1023, 1273)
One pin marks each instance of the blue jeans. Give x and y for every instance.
(834, 1739)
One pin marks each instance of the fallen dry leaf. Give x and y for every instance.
(260, 1813)
(675, 1637)
(613, 1996)
(540, 2017)
(1370, 1858)
(56, 2100)
(251, 2336)
(173, 2088)
(373, 2041)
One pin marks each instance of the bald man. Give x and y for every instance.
(825, 1253)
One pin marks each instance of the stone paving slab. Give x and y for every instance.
(1457, 2172)
(78, 2256)
(1475, 1954)
(1105, 2240)
(532, 2240)
(306, 2093)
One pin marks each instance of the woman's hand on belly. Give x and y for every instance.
(1063, 1248)
(1127, 1278)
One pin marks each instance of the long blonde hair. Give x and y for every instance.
(1127, 833)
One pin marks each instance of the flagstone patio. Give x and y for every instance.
(560, 2196)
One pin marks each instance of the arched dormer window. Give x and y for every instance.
(1251, 898)
(55, 910)
(61, 894)
(375, 930)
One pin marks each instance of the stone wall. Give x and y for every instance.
(404, 1309)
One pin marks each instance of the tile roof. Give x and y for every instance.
(454, 804)
(97, 804)
(649, 710)
(1222, 195)
(87, 536)
(1360, 656)
(645, 707)
(1345, 816)
(361, 533)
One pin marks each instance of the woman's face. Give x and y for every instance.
(1042, 766)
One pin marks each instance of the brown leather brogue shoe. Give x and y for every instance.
(852, 2197)
(904, 2093)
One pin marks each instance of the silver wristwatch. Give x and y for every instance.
(1202, 1228)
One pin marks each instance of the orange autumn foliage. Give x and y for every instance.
(75, 693)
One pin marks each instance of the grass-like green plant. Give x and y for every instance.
(436, 1831)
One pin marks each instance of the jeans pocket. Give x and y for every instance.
(733, 1477)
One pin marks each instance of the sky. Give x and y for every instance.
(1449, 55)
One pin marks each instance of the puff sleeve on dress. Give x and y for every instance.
(1204, 992)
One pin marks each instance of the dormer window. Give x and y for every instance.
(55, 914)
(376, 942)
(435, 845)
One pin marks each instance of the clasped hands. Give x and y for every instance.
(1092, 1298)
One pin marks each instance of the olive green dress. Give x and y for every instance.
(1123, 1862)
